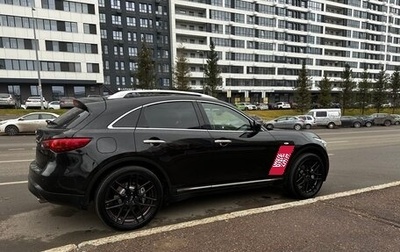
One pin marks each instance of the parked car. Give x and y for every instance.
(281, 105)
(384, 119)
(34, 102)
(309, 121)
(285, 122)
(130, 156)
(8, 101)
(67, 102)
(262, 106)
(54, 105)
(28, 123)
(396, 118)
(326, 117)
(246, 106)
(368, 121)
(355, 122)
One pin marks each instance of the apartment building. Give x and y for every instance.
(68, 48)
(124, 26)
(262, 43)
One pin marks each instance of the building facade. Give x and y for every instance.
(262, 43)
(68, 48)
(125, 26)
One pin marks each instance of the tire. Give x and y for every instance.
(270, 126)
(297, 127)
(128, 198)
(368, 124)
(305, 176)
(11, 130)
(330, 125)
(387, 123)
(357, 125)
(308, 126)
(396, 123)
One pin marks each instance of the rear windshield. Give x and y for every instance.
(70, 119)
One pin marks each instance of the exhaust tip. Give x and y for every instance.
(42, 200)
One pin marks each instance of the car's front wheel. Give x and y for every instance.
(128, 198)
(368, 124)
(297, 127)
(357, 125)
(305, 177)
(11, 130)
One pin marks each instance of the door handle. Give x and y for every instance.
(154, 142)
(223, 142)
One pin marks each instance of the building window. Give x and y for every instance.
(89, 28)
(117, 35)
(79, 91)
(103, 34)
(130, 6)
(115, 4)
(57, 91)
(116, 19)
(93, 68)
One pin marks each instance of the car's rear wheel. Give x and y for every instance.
(308, 126)
(330, 125)
(368, 124)
(297, 127)
(387, 123)
(128, 198)
(11, 130)
(357, 125)
(305, 176)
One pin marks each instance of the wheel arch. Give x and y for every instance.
(310, 148)
(113, 165)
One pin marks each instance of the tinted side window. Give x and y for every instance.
(224, 118)
(128, 120)
(181, 115)
(321, 114)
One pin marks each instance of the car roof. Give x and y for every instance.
(153, 92)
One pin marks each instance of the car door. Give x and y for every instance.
(170, 135)
(237, 153)
(28, 123)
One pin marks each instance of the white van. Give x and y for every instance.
(327, 117)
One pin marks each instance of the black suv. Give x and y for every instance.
(131, 155)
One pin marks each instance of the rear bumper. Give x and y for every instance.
(43, 195)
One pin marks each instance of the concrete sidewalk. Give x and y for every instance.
(360, 220)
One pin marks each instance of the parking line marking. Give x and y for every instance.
(14, 183)
(224, 217)
(16, 161)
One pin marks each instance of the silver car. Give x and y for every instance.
(28, 123)
(285, 122)
(8, 100)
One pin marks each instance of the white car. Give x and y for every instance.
(282, 105)
(34, 102)
(28, 123)
(309, 121)
(54, 105)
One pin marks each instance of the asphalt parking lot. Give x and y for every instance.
(360, 220)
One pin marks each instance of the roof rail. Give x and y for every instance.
(153, 92)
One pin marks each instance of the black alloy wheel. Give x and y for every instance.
(128, 198)
(11, 130)
(305, 177)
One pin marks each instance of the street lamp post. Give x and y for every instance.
(37, 56)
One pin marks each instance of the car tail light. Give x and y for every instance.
(59, 145)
